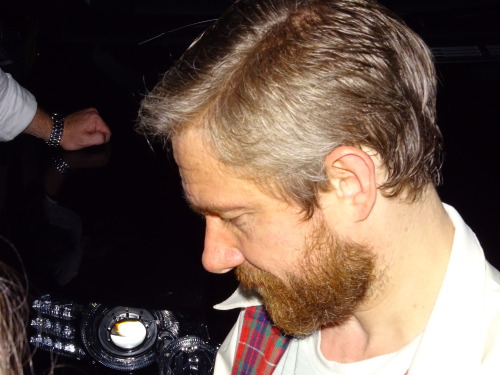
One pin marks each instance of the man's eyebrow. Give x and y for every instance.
(212, 209)
(191, 205)
(202, 210)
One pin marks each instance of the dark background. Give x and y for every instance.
(120, 222)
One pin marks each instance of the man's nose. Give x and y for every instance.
(221, 253)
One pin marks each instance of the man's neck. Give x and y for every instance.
(413, 247)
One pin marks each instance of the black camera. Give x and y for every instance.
(124, 338)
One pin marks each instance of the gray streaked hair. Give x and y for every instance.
(276, 85)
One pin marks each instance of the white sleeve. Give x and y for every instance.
(17, 107)
(227, 351)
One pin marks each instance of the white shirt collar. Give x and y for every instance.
(241, 298)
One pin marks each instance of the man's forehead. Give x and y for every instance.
(209, 185)
(193, 153)
(186, 143)
(198, 166)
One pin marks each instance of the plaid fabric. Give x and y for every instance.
(260, 346)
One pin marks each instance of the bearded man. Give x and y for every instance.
(305, 134)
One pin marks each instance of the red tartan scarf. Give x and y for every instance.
(260, 345)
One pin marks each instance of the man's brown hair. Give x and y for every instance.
(276, 85)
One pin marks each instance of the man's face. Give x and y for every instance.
(308, 277)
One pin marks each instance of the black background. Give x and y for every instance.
(139, 244)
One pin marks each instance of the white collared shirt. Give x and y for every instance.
(462, 335)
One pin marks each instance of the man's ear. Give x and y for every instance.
(351, 172)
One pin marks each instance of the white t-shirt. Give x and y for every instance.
(17, 107)
(304, 357)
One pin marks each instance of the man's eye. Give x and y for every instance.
(231, 220)
(236, 220)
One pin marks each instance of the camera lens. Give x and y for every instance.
(188, 355)
(122, 338)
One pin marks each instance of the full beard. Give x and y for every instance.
(331, 281)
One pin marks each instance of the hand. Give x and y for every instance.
(84, 128)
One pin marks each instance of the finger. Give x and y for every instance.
(97, 138)
(101, 126)
(91, 110)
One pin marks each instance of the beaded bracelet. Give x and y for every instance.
(61, 165)
(57, 130)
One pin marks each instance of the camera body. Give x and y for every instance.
(124, 338)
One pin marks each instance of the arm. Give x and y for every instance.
(19, 113)
(17, 107)
(82, 129)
